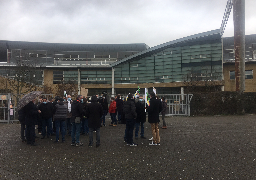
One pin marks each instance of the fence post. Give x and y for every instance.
(9, 97)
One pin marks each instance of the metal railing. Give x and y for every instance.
(177, 104)
(8, 107)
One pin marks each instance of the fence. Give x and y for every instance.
(177, 104)
(8, 107)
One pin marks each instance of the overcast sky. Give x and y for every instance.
(114, 21)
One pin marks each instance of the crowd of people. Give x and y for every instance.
(85, 116)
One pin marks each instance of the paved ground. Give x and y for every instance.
(219, 147)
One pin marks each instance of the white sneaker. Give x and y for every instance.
(133, 144)
(152, 144)
(151, 139)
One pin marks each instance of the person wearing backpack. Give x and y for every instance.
(60, 116)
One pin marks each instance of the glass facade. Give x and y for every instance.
(96, 76)
(174, 64)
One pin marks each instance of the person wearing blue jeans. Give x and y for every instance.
(75, 134)
(46, 109)
(69, 126)
(77, 115)
(60, 116)
(84, 126)
(137, 127)
(46, 123)
(60, 126)
(104, 103)
(103, 117)
(130, 117)
(141, 118)
(113, 119)
(94, 113)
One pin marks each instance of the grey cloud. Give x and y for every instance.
(114, 21)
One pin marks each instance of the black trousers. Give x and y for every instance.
(30, 134)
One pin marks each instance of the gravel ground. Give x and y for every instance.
(216, 147)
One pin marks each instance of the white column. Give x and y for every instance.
(182, 93)
(78, 81)
(113, 81)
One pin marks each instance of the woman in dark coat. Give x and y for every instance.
(30, 121)
(94, 111)
(130, 117)
(153, 117)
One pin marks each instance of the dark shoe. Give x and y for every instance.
(97, 145)
(90, 145)
(158, 144)
(142, 137)
(104, 124)
(24, 140)
(110, 124)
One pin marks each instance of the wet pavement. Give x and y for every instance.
(216, 147)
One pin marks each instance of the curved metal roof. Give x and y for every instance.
(197, 37)
(72, 47)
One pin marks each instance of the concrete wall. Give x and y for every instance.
(250, 84)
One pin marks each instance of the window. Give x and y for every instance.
(231, 74)
(57, 77)
(248, 74)
(254, 54)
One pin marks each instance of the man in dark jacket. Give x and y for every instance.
(94, 111)
(46, 109)
(104, 103)
(77, 115)
(119, 108)
(141, 118)
(60, 116)
(130, 117)
(84, 125)
(153, 117)
(31, 114)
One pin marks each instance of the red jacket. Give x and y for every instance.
(112, 107)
